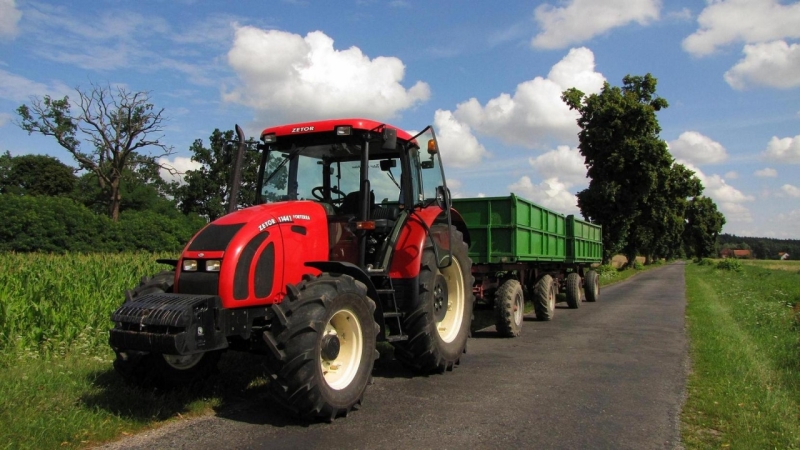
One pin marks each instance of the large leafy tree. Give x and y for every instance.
(625, 158)
(703, 224)
(35, 175)
(116, 124)
(206, 190)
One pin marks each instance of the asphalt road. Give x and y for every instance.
(610, 375)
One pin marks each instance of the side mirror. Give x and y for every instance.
(389, 138)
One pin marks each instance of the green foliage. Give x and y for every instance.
(35, 175)
(117, 125)
(58, 225)
(763, 248)
(206, 190)
(703, 224)
(731, 264)
(704, 262)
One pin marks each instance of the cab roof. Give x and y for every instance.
(322, 126)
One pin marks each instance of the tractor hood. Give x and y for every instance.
(247, 257)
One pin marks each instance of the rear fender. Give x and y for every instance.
(408, 251)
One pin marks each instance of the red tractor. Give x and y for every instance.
(353, 241)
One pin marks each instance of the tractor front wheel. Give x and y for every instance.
(322, 346)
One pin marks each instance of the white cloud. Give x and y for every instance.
(9, 17)
(290, 77)
(20, 89)
(173, 170)
(732, 175)
(729, 199)
(726, 21)
(773, 64)
(536, 112)
(564, 163)
(4, 119)
(550, 193)
(462, 148)
(581, 20)
(766, 173)
(695, 148)
(785, 150)
(791, 191)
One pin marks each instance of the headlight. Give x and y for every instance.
(213, 265)
(190, 265)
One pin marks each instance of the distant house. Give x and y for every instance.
(783, 256)
(740, 254)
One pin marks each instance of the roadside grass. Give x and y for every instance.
(744, 388)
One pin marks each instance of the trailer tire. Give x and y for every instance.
(438, 325)
(322, 346)
(147, 369)
(509, 304)
(544, 298)
(591, 286)
(573, 290)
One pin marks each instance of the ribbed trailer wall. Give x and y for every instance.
(584, 241)
(512, 229)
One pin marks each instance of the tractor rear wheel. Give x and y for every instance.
(544, 298)
(323, 346)
(573, 290)
(509, 306)
(591, 286)
(157, 370)
(438, 325)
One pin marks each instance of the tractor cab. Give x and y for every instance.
(368, 177)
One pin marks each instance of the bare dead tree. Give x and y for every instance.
(118, 124)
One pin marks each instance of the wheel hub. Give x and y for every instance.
(330, 347)
(440, 298)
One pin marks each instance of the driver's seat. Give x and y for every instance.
(350, 203)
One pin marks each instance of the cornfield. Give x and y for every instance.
(54, 304)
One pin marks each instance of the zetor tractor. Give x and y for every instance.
(353, 241)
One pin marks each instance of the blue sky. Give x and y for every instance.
(487, 75)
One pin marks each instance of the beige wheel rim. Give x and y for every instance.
(184, 362)
(519, 309)
(340, 371)
(450, 325)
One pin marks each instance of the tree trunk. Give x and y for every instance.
(116, 199)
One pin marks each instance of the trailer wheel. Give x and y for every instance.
(544, 298)
(573, 290)
(154, 369)
(509, 306)
(591, 286)
(323, 346)
(438, 325)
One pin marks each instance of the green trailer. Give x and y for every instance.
(520, 249)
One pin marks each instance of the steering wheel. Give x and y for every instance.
(317, 192)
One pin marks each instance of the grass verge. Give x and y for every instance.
(744, 388)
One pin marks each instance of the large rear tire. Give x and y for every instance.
(544, 298)
(154, 369)
(323, 346)
(592, 286)
(509, 306)
(573, 290)
(438, 325)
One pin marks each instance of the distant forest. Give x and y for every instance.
(762, 248)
